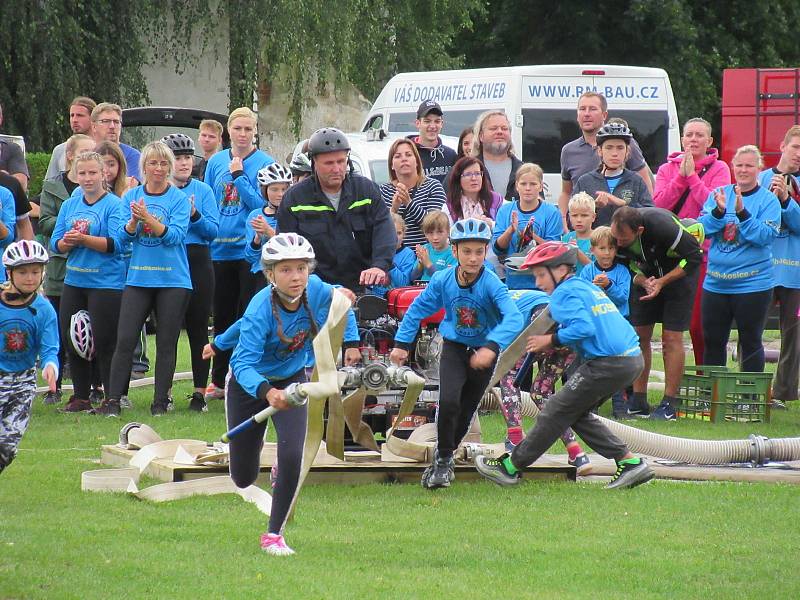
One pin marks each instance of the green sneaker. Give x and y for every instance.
(494, 470)
(630, 475)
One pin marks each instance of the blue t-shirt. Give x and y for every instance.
(619, 287)
(27, 331)
(252, 251)
(612, 182)
(786, 247)
(236, 198)
(584, 245)
(400, 275)
(158, 261)
(589, 322)
(441, 260)
(740, 256)
(547, 224)
(88, 268)
(479, 314)
(204, 225)
(132, 158)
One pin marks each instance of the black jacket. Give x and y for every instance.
(436, 162)
(511, 188)
(665, 245)
(357, 236)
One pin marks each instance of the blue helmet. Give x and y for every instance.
(470, 230)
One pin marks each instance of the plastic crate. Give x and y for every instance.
(714, 394)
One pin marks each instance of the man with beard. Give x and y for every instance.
(494, 149)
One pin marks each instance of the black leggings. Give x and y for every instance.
(199, 309)
(137, 302)
(460, 391)
(750, 313)
(233, 290)
(245, 449)
(103, 307)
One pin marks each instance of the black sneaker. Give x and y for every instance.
(96, 396)
(125, 402)
(197, 403)
(52, 398)
(159, 407)
(638, 405)
(494, 470)
(109, 408)
(630, 475)
(76, 405)
(664, 412)
(440, 474)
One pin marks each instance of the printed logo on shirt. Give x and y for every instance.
(148, 237)
(730, 237)
(81, 226)
(231, 203)
(627, 196)
(15, 337)
(468, 322)
(298, 334)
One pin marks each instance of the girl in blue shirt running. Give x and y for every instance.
(274, 343)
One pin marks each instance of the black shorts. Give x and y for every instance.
(672, 307)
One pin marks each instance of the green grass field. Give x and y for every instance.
(475, 540)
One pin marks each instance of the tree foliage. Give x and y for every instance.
(692, 41)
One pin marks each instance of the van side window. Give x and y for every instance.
(455, 121)
(375, 122)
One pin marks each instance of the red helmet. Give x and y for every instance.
(551, 254)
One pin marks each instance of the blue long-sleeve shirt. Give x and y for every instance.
(237, 195)
(27, 331)
(8, 216)
(260, 356)
(477, 315)
(589, 322)
(204, 224)
(400, 274)
(619, 286)
(786, 247)
(227, 339)
(158, 261)
(547, 224)
(740, 256)
(252, 252)
(88, 268)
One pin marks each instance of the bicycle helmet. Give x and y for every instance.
(286, 246)
(327, 139)
(179, 143)
(301, 163)
(24, 252)
(513, 262)
(470, 230)
(551, 254)
(80, 334)
(274, 173)
(614, 131)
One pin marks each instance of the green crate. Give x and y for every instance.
(715, 394)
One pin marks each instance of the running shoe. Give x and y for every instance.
(52, 398)
(125, 402)
(494, 470)
(197, 403)
(136, 375)
(109, 408)
(776, 404)
(630, 475)
(214, 393)
(76, 405)
(96, 396)
(638, 405)
(664, 412)
(273, 543)
(442, 473)
(581, 463)
(159, 407)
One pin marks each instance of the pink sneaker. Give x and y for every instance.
(273, 543)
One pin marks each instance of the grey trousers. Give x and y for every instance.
(592, 383)
(788, 372)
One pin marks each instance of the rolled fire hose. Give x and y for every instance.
(756, 449)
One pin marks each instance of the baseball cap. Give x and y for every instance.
(429, 106)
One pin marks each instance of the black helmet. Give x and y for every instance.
(614, 131)
(327, 139)
(179, 143)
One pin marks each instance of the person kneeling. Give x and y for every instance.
(591, 324)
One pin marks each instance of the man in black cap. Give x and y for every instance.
(437, 159)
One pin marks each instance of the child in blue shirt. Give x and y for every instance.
(275, 336)
(614, 279)
(589, 323)
(436, 254)
(581, 210)
(403, 262)
(28, 330)
(480, 319)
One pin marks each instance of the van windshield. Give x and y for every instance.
(455, 121)
(545, 131)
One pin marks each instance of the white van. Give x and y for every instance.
(541, 102)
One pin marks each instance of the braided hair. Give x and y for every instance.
(276, 315)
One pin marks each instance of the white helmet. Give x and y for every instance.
(80, 334)
(286, 246)
(274, 173)
(301, 163)
(24, 252)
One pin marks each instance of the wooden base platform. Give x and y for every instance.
(358, 468)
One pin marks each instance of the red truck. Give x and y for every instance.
(758, 106)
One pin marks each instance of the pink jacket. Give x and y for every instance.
(670, 184)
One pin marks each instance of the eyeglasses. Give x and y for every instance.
(157, 163)
(472, 175)
(109, 121)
